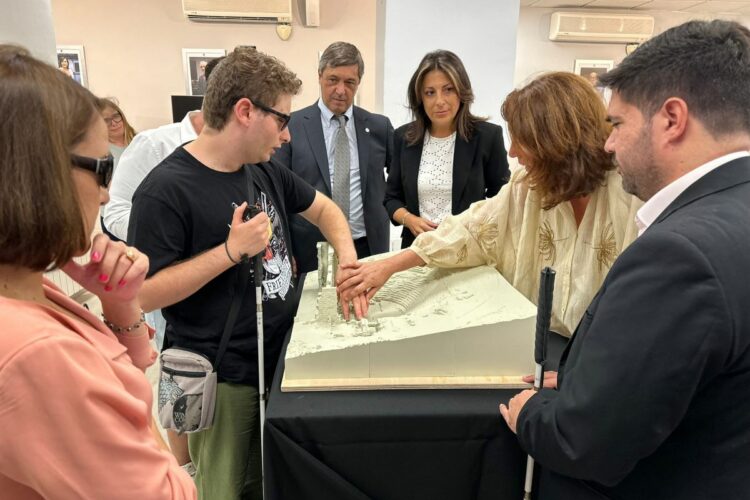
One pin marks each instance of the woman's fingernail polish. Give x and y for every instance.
(96, 256)
(107, 288)
(122, 282)
(103, 278)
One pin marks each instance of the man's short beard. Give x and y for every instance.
(630, 187)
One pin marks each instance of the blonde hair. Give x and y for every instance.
(103, 103)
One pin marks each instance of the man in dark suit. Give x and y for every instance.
(653, 393)
(343, 151)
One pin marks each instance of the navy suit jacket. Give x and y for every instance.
(654, 387)
(306, 156)
(480, 168)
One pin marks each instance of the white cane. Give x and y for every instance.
(258, 278)
(543, 313)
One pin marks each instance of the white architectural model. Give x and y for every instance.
(425, 328)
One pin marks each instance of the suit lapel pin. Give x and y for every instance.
(367, 130)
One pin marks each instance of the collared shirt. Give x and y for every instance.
(356, 207)
(651, 210)
(145, 152)
(512, 232)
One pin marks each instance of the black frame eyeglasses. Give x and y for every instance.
(102, 167)
(284, 117)
(116, 118)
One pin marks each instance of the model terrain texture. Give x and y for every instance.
(426, 327)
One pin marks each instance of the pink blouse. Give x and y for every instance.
(75, 409)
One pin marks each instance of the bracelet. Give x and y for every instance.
(226, 247)
(125, 329)
(403, 219)
(243, 257)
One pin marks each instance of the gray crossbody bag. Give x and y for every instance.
(187, 379)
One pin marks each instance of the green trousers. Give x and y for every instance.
(227, 456)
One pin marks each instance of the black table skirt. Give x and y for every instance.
(391, 445)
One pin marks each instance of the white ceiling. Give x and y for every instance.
(701, 6)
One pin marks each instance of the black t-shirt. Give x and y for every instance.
(182, 209)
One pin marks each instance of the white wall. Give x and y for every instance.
(29, 23)
(537, 54)
(134, 48)
(481, 32)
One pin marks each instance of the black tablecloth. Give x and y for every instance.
(390, 445)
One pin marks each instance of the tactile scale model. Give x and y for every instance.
(425, 327)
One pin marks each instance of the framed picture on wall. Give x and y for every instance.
(72, 62)
(194, 63)
(590, 69)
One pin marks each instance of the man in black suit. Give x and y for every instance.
(333, 133)
(653, 393)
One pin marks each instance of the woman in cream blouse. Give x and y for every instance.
(566, 209)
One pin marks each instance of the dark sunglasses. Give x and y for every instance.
(284, 118)
(102, 167)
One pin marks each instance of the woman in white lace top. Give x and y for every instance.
(445, 159)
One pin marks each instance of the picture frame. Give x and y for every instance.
(71, 60)
(591, 69)
(193, 63)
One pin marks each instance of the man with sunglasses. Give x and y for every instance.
(343, 151)
(188, 216)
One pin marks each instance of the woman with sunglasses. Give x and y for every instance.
(75, 406)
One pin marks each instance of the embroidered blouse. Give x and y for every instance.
(512, 232)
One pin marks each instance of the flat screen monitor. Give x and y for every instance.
(183, 104)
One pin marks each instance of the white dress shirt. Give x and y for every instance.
(651, 210)
(145, 152)
(356, 207)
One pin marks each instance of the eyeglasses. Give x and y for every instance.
(283, 118)
(115, 118)
(102, 167)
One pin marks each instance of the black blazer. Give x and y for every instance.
(480, 168)
(654, 387)
(306, 156)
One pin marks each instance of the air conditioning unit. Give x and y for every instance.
(309, 11)
(601, 28)
(238, 11)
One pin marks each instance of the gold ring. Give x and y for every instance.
(130, 254)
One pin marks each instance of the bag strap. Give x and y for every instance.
(241, 279)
